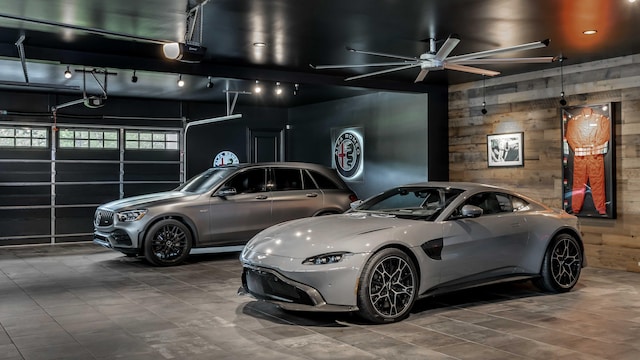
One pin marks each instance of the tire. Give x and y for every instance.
(167, 243)
(388, 287)
(561, 265)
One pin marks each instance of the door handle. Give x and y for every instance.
(312, 195)
(261, 197)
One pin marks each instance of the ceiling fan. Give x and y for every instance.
(440, 59)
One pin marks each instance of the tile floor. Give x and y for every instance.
(80, 301)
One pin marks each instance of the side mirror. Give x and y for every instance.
(226, 191)
(355, 204)
(471, 211)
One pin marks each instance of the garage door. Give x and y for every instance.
(52, 179)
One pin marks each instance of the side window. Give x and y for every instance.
(249, 181)
(307, 181)
(519, 204)
(487, 201)
(286, 179)
(505, 202)
(323, 181)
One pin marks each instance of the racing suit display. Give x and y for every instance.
(588, 135)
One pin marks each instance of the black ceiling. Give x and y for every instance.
(126, 35)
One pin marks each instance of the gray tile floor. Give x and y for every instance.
(80, 301)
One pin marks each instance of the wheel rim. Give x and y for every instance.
(566, 263)
(392, 287)
(169, 243)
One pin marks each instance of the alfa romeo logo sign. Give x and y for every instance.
(347, 154)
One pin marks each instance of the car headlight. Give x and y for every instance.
(324, 259)
(130, 215)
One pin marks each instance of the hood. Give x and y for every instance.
(353, 232)
(143, 201)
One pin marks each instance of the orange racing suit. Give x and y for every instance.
(588, 135)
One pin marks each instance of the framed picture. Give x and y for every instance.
(505, 149)
(588, 160)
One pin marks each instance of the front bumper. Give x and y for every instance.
(269, 285)
(117, 239)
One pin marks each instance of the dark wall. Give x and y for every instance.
(399, 130)
(204, 142)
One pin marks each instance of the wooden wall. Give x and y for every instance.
(529, 103)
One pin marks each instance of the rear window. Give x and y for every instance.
(323, 181)
(287, 179)
(308, 181)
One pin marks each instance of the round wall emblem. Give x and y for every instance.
(225, 158)
(347, 154)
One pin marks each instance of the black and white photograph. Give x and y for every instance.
(505, 149)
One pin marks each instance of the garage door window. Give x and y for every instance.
(24, 137)
(148, 140)
(88, 139)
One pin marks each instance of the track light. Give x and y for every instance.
(67, 73)
(484, 108)
(296, 87)
(134, 78)
(209, 83)
(180, 81)
(257, 89)
(278, 89)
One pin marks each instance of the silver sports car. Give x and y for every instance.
(411, 242)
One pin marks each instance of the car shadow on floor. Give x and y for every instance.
(468, 298)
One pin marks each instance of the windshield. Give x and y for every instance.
(419, 203)
(205, 181)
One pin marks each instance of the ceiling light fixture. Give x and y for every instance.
(257, 89)
(278, 89)
(134, 78)
(180, 81)
(259, 44)
(590, 32)
(563, 101)
(209, 83)
(67, 73)
(296, 87)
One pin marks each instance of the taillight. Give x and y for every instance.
(353, 197)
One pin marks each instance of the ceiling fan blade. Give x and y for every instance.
(393, 56)
(469, 69)
(482, 54)
(448, 46)
(382, 72)
(423, 73)
(530, 60)
(343, 66)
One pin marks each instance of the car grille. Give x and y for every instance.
(103, 218)
(266, 286)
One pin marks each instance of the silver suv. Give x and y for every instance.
(223, 206)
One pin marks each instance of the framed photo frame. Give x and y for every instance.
(505, 149)
(588, 160)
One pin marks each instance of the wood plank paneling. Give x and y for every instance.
(530, 103)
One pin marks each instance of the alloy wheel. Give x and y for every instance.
(392, 287)
(169, 242)
(566, 262)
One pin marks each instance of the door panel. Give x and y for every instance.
(266, 145)
(289, 199)
(490, 245)
(236, 218)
